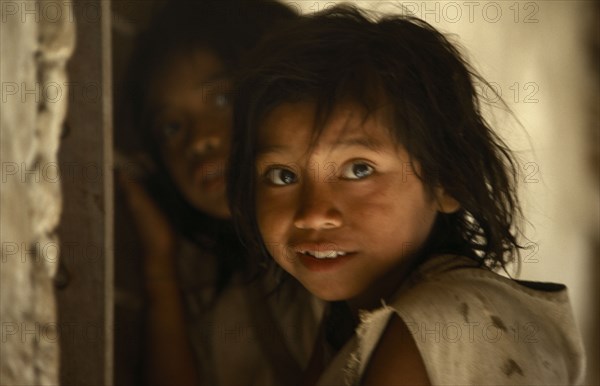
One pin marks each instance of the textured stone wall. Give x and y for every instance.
(36, 40)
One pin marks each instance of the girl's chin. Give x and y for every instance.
(329, 294)
(220, 213)
(215, 208)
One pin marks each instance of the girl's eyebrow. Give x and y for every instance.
(272, 149)
(362, 141)
(217, 77)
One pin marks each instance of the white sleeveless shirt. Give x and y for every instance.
(473, 327)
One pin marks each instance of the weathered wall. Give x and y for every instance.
(36, 40)
(84, 298)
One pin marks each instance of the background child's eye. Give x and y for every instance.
(280, 176)
(357, 171)
(169, 129)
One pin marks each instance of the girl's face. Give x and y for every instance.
(192, 124)
(344, 213)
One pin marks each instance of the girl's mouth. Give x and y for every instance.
(213, 182)
(324, 261)
(318, 257)
(210, 178)
(328, 254)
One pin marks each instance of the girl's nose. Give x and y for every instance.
(317, 209)
(204, 145)
(205, 138)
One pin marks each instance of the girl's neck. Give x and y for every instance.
(384, 289)
(342, 318)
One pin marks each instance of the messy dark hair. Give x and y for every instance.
(345, 55)
(229, 29)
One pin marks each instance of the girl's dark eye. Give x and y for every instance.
(357, 171)
(281, 176)
(170, 129)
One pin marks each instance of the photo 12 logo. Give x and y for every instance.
(464, 11)
(50, 11)
(50, 92)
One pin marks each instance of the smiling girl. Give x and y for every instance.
(362, 165)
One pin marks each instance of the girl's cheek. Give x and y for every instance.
(278, 201)
(263, 218)
(268, 218)
(267, 221)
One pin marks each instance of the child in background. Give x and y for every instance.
(207, 322)
(362, 165)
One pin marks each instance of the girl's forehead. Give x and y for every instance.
(197, 66)
(348, 123)
(194, 72)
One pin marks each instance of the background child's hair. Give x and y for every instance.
(229, 29)
(405, 64)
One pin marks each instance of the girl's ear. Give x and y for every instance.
(446, 203)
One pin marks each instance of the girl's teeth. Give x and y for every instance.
(325, 254)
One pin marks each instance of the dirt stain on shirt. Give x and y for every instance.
(510, 367)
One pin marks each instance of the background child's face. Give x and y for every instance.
(192, 124)
(353, 196)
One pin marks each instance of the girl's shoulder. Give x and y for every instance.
(461, 276)
(473, 326)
